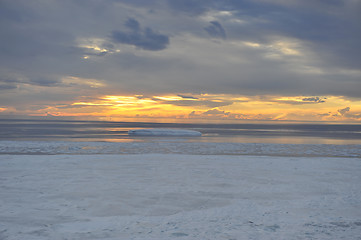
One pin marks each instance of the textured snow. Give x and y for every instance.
(174, 196)
(164, 132)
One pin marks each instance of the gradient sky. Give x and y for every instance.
(181, 60)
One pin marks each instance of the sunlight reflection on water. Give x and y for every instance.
(233, 133)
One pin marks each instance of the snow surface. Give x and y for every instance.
(174, 196)
(164, 132)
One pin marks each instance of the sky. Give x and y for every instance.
(181, 60)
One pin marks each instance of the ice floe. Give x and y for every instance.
(164, 132)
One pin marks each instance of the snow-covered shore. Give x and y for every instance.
(173, 196)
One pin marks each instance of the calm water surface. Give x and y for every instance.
(50, 130)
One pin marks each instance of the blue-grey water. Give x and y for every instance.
(98, 131)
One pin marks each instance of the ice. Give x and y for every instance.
(164, 132)
(178, 196)
(171, 145)
(179, 190)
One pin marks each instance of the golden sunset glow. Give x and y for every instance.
(208, 107)
(191, 61)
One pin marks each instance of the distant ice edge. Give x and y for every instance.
(171, 147)
(164, 132)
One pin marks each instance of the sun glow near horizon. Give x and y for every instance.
(206, 107)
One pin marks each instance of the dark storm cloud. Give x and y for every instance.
(216, 30)
(146, 38)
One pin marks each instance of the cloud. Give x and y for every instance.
(12, 81)
(89, 51)
(295, 48)
(344, 111)
(187, 97)
(216, 30)
(77, 106)
(7, 86)
(45, 81)
(354, 116)
(216, 112)
(297, 100)
(146, 38)
(133, 24)
(190, 7)
(7, 83)
(206, 103)
(195, 102)
(314, 100)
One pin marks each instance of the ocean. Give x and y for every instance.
(101, 131)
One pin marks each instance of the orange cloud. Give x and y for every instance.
(206, 107)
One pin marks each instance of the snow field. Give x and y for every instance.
(170, 196)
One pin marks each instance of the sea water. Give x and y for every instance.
(101, 131)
